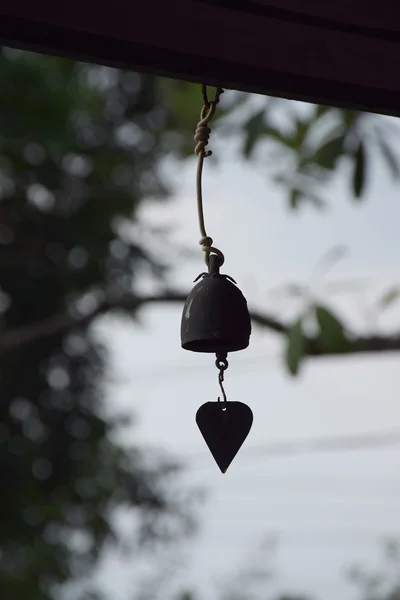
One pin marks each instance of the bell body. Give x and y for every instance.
(215, 316)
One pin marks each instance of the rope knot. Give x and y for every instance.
(202, 133)
(206, 241)
(201, 138)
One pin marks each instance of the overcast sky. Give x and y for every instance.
(327, 510)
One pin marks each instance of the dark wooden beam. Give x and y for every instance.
(311, 51)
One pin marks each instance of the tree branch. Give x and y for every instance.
(13, 339)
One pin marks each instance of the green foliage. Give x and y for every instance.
(327, 155)
(308, 143)
(359, 170)
(331, 331)
(390, 157)
(183, 102)
(331, 337)
(80, 147)
(253, 129)
(389, 297)
(328, 332)
(295, 346)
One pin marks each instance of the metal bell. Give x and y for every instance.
(215, 315)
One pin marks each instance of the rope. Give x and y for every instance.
(201, 138)
(218, 93)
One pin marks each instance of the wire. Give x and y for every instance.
(327, 539)
(174, 368)
(316, 446)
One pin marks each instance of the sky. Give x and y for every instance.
(327, 510)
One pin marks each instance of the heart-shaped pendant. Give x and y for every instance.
(224, 427)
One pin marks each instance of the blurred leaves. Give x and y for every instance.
(80, 148)
(331, 336)
(295, 347)
(389, 297)
(331, 331)
(253, 129)
(382, 583)
(252, 583)
(329, 260)
(359, 170)
(389, 154)
(302, 146)
(328, 153)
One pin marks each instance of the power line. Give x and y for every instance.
(289, 448)
(178, 368)
(293, 536)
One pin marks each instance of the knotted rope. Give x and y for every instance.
(201, 138)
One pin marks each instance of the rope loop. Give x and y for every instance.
(218, 93)
(206, 243)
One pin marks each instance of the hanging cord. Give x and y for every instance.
(201, 138)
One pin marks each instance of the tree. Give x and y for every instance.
(381, 584)
(80, 147)
(251, 583)
(306, 143)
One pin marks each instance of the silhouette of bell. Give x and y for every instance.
(215, 315)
